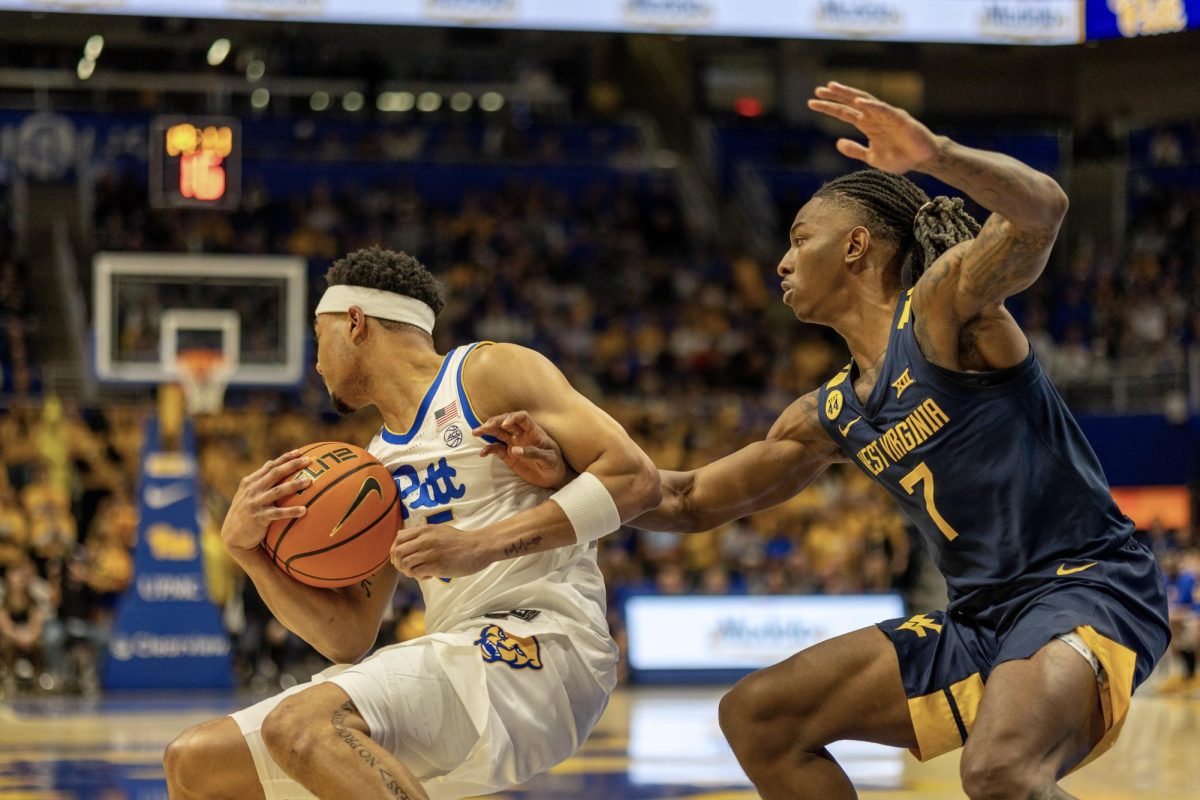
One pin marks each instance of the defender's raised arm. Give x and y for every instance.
(1027, 206)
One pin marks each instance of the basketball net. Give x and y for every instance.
(203, 376)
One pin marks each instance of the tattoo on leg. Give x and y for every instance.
(350, 737)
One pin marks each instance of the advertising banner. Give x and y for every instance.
(1000, 21)
(167, 634)
(720, 637)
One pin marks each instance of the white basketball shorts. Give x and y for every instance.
(472, 711)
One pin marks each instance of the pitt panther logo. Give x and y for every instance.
(919, 624)
(436, 488)
(517, 652)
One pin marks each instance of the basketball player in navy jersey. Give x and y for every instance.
(1056, 613)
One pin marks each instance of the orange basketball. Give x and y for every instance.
(353, 515)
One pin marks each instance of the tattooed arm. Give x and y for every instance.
(501, 377)
(758, 476)
(972, 279)
(1011, 250)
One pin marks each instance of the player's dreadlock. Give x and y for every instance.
(896, 208)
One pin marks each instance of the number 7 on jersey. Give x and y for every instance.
(922, 474)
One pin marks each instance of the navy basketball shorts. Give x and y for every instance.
(1118, 611)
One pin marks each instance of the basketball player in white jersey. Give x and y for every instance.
(518, 664)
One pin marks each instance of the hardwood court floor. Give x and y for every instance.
(651, 743)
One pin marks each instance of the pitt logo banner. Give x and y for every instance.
(515, 651)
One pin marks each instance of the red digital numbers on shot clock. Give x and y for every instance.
(195, 162)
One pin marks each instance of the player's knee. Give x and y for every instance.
(754, 721)
(995, 774)
(188, 763)
(288, 732)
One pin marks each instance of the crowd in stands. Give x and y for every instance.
(67, 524)
(17, 372)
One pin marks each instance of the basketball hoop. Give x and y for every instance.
(203, 375)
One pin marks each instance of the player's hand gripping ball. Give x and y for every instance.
(352, 516)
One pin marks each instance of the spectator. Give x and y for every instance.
(24, 610)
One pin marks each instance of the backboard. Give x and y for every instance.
(149, 306)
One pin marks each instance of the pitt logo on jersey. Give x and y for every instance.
(516, 651)
(436, 488)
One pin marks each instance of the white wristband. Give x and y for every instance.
(589, 507)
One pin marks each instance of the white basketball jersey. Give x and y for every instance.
(442, 479)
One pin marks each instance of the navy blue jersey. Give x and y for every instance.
(991, 467)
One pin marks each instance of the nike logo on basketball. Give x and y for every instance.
(845, 429)
(369, 485)
(1063, 569)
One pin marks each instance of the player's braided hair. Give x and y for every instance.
(895, 208)
(390, 271)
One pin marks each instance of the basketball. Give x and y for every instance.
(353, 515)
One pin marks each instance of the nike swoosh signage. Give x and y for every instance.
(369, 485)
(158, 497)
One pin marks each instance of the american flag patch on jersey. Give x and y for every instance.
(443, 416)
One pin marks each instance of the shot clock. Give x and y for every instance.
(195, 162)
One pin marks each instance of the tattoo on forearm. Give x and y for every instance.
(522, 547)
(352, 740)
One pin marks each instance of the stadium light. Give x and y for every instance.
(218, 52)
(461, 101)
(429, 101)
(319, 101)
(260, 97)
(255, 70)
(85, 68)
(352, 101)
(491, 101)
(94, 47)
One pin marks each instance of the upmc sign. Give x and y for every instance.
(1116, 19)
(167, 634)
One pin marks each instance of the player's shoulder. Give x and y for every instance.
(801, 424)
(502, 361)
(502, 377)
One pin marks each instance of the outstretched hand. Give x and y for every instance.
(896, 141)
(526, 448)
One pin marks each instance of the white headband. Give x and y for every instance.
(377, 303)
